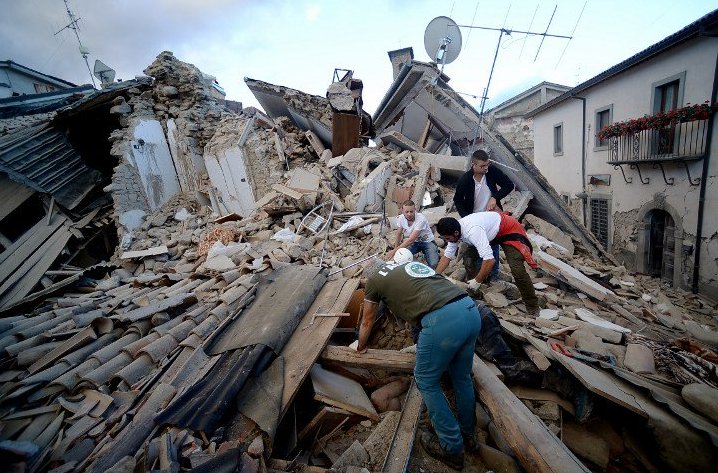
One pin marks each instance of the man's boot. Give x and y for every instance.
(433, 447)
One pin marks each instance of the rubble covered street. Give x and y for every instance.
(186, 293)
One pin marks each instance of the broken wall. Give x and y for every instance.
(164, 130)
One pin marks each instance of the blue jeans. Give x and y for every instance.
(430, 250)
(446, 343)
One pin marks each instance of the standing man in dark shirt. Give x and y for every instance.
(481, 189)
(450, 324)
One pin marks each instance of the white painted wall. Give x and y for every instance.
(562, 171)
(188, 163)
(630, 93)
(230, 183)
(14, 82)
(150, 155)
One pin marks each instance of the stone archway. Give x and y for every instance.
(660, 237)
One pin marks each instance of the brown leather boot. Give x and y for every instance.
(433, 447)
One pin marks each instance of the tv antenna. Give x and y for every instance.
(74, 26)
(442, 40)
(506, 31)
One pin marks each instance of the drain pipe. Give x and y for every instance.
(584, 196)
(704, 179)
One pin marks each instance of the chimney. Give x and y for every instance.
(400, 57)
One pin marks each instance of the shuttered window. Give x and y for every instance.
(599, 220)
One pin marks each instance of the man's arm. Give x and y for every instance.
(412, 238)
(399, 234)
(486, 267)
(367, 323)
(502, 182)
(443, 263)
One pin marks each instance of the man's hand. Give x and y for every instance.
(474, 285)
(491, 205)
(355, 346)
(390, 255)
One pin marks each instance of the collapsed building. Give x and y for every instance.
(213, 335)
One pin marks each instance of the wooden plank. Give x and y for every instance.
(287, 191)
(26, 245)
(397, 458)
(12, 195)
(154, 251)
(600, 383)
(309, 339)
(537, 357)
(327, 418)
(534, 394)
(373, 359)
(26, 277)
(336, 390)
(424, 134)
(40, 294)
(535, 446)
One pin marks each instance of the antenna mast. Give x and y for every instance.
(74, 26)
(508, 32)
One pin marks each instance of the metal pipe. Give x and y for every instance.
(353, 264)
(704, 180)
(584, 199)
(326, 235)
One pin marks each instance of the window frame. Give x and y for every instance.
(556, 150)
(681, 78)
(597, 146)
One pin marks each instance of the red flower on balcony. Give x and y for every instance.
(688, 113)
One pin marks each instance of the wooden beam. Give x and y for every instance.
(397, 458)
(536, 447)
(373, 359)
(308, 340)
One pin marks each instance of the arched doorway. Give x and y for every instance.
(660, 245)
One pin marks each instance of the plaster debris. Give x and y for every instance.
(241, 208)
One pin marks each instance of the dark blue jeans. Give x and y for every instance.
(446, 343)
(430, 250)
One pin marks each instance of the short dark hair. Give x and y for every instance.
(480, 155)
(408, 203)
(447, 226)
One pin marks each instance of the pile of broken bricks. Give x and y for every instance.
(622, 368)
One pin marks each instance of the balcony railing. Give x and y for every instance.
(679, 142)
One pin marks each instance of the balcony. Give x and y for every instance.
(679, 142)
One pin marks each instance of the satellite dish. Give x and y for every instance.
(104, 72)
(442, 40)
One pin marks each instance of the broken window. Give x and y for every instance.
(599, 220)
(558, 139)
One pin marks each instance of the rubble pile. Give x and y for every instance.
(181, 92)
(618, 369)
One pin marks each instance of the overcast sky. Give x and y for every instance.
(299, 43)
